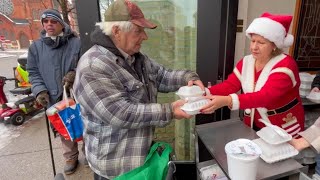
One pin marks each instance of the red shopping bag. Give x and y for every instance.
(66, 118)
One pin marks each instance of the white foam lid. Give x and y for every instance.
(189, 91)
(314, 96)
(271, 136)
(306, 77)
(243, 147)
(194, 107)
(273, 153)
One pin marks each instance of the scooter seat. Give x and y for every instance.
(21, 90)
(24, 100)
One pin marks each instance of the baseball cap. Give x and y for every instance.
(125, 10)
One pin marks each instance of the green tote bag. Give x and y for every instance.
(155, 166)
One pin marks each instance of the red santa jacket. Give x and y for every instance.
(271, 94)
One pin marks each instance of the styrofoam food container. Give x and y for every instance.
(193, 108)
(307, 160)
(304, 86)
(273, 153)
(189, 91)
(306, 77)
(309, 153)
(314, 96)
(269, 135)
(303, 92)
(242, 158)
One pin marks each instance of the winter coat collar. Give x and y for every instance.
(99, 38)
(60, 40)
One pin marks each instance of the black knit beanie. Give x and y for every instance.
(52, 13)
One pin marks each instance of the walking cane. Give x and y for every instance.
(50, 144)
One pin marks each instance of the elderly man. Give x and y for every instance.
(117, 88)
(51, 63)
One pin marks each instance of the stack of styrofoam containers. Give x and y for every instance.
(306, 156)
(194, 97)
(274, 144)
(316, 177)
(305, 86)
(314, 96)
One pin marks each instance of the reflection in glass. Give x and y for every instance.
(308, 54)
(172, 44)
(103, 5)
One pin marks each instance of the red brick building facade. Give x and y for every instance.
(19, 21)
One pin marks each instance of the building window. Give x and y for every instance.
(5, 34)
(36, 13)
(12, 36)
(6, 7)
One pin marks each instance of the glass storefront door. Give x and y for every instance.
(173, 44)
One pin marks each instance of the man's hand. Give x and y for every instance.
(315, 89)
(68, 79)
(196, 82)
(43, 98)
(177, 112)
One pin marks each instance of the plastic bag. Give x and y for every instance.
(155, 166)
(66, 118)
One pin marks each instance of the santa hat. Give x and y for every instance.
(272, 27)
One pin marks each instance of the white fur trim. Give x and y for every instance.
(248, 75)
(271, 30)
(286, 71)
(237, 73)
(252, 117)
(263, 110)
(247, 71)
(235, 102)
(263, 114)
(288, 40)
(267, 71)
(248, 111)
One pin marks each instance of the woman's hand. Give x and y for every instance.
(215, 103)
(300, 143)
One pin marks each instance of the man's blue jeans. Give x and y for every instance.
(317, 164)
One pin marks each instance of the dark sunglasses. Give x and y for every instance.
(52, 21)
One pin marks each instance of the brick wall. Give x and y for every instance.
(29, 13)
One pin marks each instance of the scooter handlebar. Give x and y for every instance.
(7, 79)
(10, 79)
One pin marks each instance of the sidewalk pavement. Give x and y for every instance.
(27, 157)
(12, 52)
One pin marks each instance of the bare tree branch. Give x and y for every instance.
(70, 9)
(58, 2)
(44, 5)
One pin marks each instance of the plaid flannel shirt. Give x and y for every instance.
(119, 111)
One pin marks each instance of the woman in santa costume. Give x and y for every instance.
(268, 78)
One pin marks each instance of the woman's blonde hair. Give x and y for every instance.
(276, 51)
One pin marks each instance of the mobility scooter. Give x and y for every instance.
(15, 113)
